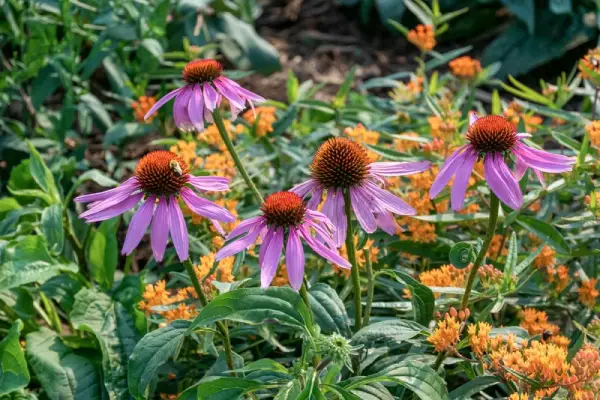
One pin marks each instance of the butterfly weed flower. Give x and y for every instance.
(285, 218)
(493, 139)
(341, 165)
(204, 91)
(161, 178)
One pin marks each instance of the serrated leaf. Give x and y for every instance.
(329, 310)
(14, 374)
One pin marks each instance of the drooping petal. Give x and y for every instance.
(268, 267)
(322, 234)
(264, 246)
(241, 244)
(99, 206)
(250, 96)
(162, 102)
(304, 188)
(129, 186)
(339, 220)
(362, 210)
(320, 218)
(294, 259)
(447, 172)
(389, 201)
(180, 109)
(138, 225)
(461, 181)
(501, 181)
(205, 207)
(116, 209)
(235, 101)
(315, 198)
(543, 160)
(332, 256)
(210, 97)
(218, 227)
(160, 229)
(398, 168)
(178, 229)
(523, 135)
(209, 183)
(540, 176)
(386, 222)
(245, 226)
(520, 169)
(196, 108)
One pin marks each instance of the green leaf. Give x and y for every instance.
(373, 391)
(387, 333)
(114, 328)
(511, 257)
(124, 131)
(103, 253)
(220, 388)
(415, 376)
(329, 310)
(264, 364)
(546, 232)
(561, 6)
(52, 227)
(471, 388)
(389, 9)
(14, 374)
(291, 391)
(97, 176)
(256, 306)
(524, 10)
(292, 84)
(154, 47)
(153, 351)
(342, 94)
(41, 174)
(452, 218)
(422, 297)
(63, 289)
(63, 374)
(462, 254)
(522, 266)
(96, 107)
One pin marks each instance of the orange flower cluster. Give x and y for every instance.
(141, 107)
(536, 322)
(443, 129)
(588, 292)
(514, 113)
(479, 337)
(212, 137)
(360, 256)
(558, 278)
(546, 258)
(362, 135)
(187, 152)
(406, 145)
(281, 278)
(423, 36)
(407, 92)
(446, 334)
(223, 272)
(465, 67)
(591, 61)
(593, 130)
(445, 276)
(168, 303)
(266, 117)
(436, 146)
(495, 246)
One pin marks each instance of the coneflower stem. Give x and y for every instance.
(236, 158)
(371, 287)
(350, 249)
(306, 300)
(494, 208)
(220, 325)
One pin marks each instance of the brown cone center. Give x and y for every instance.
(340, 163)
(492, 134)
(161, 173)
(284, 209)
(200, 71)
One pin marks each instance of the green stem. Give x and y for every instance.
(220, 325)
(352, 258)
(236, 158)
(439, 360)
(52, 314)
(494, 208)
(306, 300)
(371, 288)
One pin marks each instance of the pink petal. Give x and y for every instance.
(210, 97)
(240, 244)
(196, 108)
(362, 210)
(245, 226)
(389, 201)
(543, 160)
(304, 188)
(501, 181)
(116, 209)
(162, 102)
(461, 181)
(178, 229)
(270, 251)
(294, 259)
(209, 183)
(447, 171)
(129, 186)
(472, 117)
(180, 109)
(332, 256)
(398, 168)
(138, 225)
(160, 229)
(204, 207)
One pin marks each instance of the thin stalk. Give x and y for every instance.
(352, 258)
(371, 288)
(52, 313)
(306, 300)
(220, 325)
(494, 208)
(439, 360)
(236, 158)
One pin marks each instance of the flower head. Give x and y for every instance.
(588, 292)
(465, 67)
(204, 90)
(265, 116)
(141, 107)
(285, 217)
(423, 36)
(493, 139)
(161, 178)
(590, 61)
(343, 166)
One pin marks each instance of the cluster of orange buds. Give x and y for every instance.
(494, 249)
(443, 129)
(406, 145)
(536, 322)
(593, 130)
(222, 273)
(141, 107)
(590, 61)
(588, 292)
(465, 67)
(435, 146)
(445, 276)
(558, 278)
(266, 117)
(546, 258)
(490, 276)
(515, 112)
(423, 36)
(446, 334)
(479, 337)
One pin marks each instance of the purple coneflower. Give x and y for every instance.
(285, 217)
(492, 139)
(160, 180)
(205, 88)
(341, 165)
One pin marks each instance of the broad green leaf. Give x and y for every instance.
(97, 108)
(329, 310)
(373, 391)
(546, 232)
(511, 257)
(41, 174)
(290, 391)
(114, 328)
(52, 227)
(62, 373)
(62, 288)
(524, 10)
(342, 94)
(154, 47)
(387, 333)
(280, 305)
(453, 218)
(264, 364)
(14, 374)
(153, 351)
(471, 388)
(220, 388)
(415, 376)
(561, 6)
(421, 298)
(124, 131)
(103, 252)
